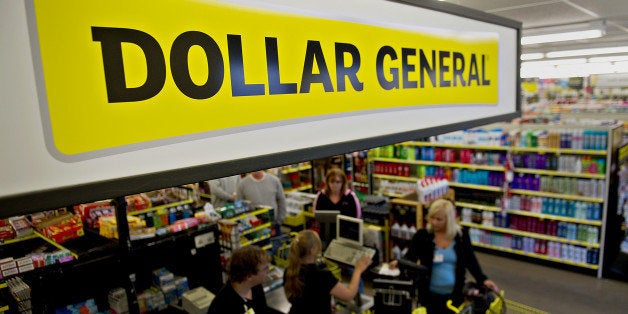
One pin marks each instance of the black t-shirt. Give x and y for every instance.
(228, 301)
(347, 204)
(316, 297)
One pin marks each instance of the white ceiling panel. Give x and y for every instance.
(561, 12)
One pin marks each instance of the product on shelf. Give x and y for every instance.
(91, 212)
(60, 228)
(535, 190)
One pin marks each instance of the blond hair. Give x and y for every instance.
(452, 227)
(305, 243)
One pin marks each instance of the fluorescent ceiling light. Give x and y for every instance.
(577, 31)
(539, 39)
(550, 63)
(608, 59)
(532, 56)
(584, 52)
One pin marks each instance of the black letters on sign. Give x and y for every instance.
(272, 62)
(180, 69)
(350, 72)
(111, 40)
(236, 64)
(379, 65)
(314, 52)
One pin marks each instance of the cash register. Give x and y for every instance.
(347, 247)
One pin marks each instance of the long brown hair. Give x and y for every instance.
(331, 175)
(306, 242)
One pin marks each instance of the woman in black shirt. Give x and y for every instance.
(337, 196)
(309, 285)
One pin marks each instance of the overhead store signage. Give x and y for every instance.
(121, 73)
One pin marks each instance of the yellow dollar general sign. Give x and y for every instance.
(120, 73)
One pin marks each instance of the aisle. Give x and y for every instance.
(554, 290)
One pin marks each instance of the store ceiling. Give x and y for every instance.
(540, 13)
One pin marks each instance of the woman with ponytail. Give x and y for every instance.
(309, 285)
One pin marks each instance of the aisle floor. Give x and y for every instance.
(554, 290)
(542, 287)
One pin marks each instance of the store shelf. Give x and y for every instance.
(459, 146)
(296, 169)
(555, 217)
(251, 213)
(531, 235)
(442, 164)
(481, 197)
(558, 195)
(478, 207)
(476, 186)
(55, 244)
(558, 151)
(560, 173)
(156, 208)
(249, 242)
(540, 150)
(16, 240)
(394, 178)
(258, 228)
(36, 235)
(304, 187)
(535, 255)
(389, 194)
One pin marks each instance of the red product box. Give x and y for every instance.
(6, 230)
(65, 230)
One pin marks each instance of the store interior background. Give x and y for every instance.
(550, 87)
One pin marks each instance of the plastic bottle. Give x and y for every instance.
(172, 217)
(395, 229)
(396, 252)
(412, 231)
(403, 232)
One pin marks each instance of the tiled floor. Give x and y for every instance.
(554, 290)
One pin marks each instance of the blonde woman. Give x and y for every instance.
(444, 248)
(309, 286)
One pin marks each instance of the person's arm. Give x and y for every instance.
(216, 189)
(347, 293)
(316, 202)
(472, 262)
(240, 190)
(413, 250)
(281, 211)
(356, 201)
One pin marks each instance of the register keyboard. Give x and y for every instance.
(347, 253)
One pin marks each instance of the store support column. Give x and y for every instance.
(124, 239)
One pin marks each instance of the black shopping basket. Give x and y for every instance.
(393, 295)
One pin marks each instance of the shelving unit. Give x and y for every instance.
(235, 236)
(489, 194)
(404, 210)
(297, 177)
